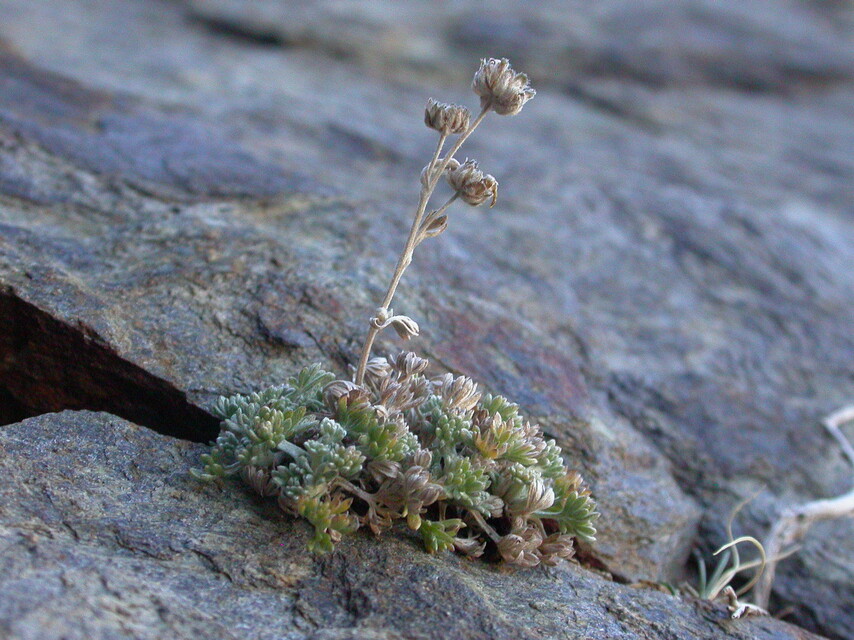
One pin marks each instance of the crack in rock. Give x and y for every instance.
(47, 365)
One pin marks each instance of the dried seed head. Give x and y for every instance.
(377, 367)
(422, 458)
(336, 390)
(471, 184)
(407, 364)
(494, 505)
(500, 88)
(539, 498)
(396, 397)
(520, 547)
(511, 546)
(446, 118)
(522, 500)
(410, 491)
(555, 548)
(470, 546)
(381, 470)
(420, 388)
(405, 326)
(258, 479)
(344, 392)
(457, 392)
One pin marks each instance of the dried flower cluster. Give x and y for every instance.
(446, 118)
(501, 90)
(462, 468)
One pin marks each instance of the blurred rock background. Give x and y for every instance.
(199, 197)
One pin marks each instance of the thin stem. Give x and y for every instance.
(738, 567)
(366, 350)
(487, 529)
(433, 215)
(448, 203)
(446, 161)
(412, 241)
(349, 486)
(406, 256)
(402, 261)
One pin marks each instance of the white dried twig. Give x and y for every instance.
(739, 609)
(794, 523)
(832, 424)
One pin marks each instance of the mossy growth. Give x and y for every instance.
(463, 469)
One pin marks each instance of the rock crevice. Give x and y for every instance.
(47, 365)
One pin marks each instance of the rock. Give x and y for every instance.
(200, 198)
(757, 46)
(816, 581)
(151, 310)
(105, 535)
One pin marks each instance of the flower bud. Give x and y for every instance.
(377, 367)
(425, 177)
(500, 88)
(458, 392)
(471, 184)
(435, 226)
(407, 364)
(446, 118)
(381, 317)
(470, 546)
(405, 326)
(343, 390)
(556, 547)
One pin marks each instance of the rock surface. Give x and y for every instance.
(199, 198)
(105, 535)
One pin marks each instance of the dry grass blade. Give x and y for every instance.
(729, 565)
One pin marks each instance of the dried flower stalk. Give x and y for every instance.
(501, 90)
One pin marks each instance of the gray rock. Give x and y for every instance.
(199, 198)
(188, 299)
(761, 45)
(105, 535)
